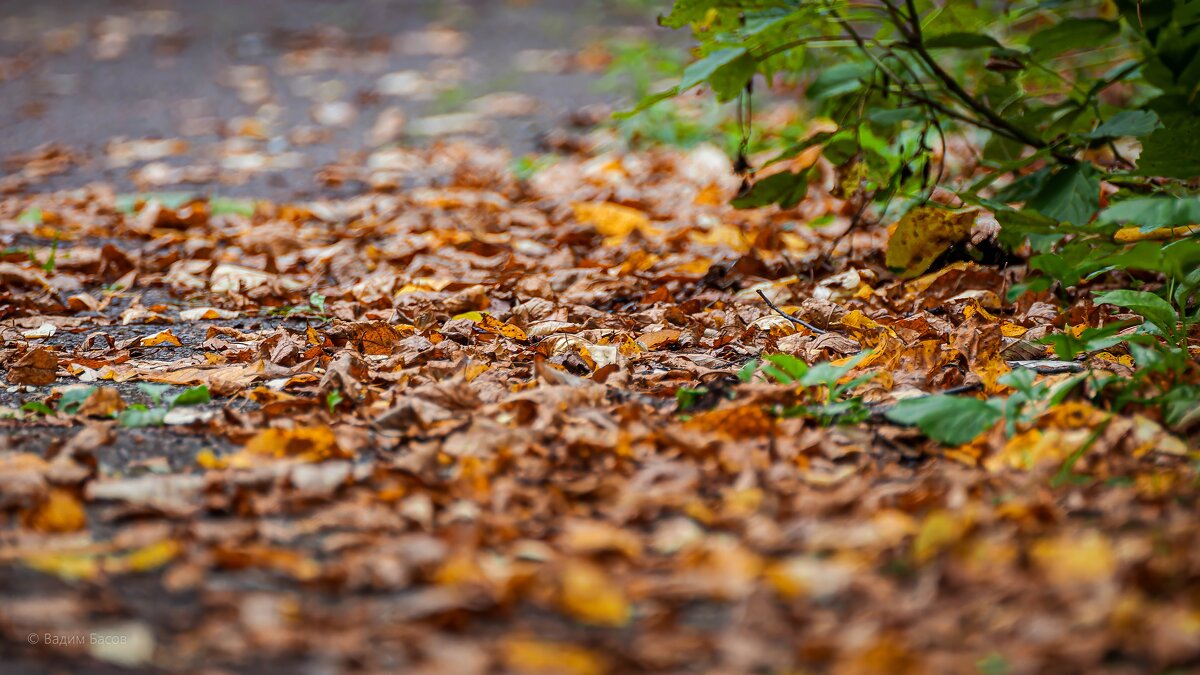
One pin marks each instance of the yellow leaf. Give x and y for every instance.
(1075, 559)
(1012, 330)
(144, 559)
(161, 338)
(591, 597)
(491, 324)
(67, 566)
(209, 460)
(537, 656)
(940, 530)
(612, 220)
(475, 370)
(60, 511)
(1130, 235)
(923, 234)
(310, 444)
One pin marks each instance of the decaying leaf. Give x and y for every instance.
(923, 234)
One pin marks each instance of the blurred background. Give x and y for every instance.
(269, 97)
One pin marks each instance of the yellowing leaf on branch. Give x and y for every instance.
(923, 234)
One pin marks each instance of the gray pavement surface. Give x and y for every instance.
(293, 84)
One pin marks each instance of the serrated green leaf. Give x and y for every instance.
(1154, 212)
(950, 420)
(1126, 123)
(1071, 194)
(1173, 151)
(786, 189)
(1154, 310)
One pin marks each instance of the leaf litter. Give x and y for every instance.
(475, 415)
(586, 420)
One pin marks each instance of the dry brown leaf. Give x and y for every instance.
(37, 367)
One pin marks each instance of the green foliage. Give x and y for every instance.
(315, 307)
(139, 415)
(197, 395)
(333, 399)
(956, 420)
(73, 398)
(37, 408)
(1025, 78)
(951, 420)
(829, 399)
(1032, 85)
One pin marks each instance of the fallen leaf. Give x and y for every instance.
(37, 367)
(923, 234)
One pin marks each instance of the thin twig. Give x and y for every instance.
(789, 317)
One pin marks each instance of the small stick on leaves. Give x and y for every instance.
(789, 317)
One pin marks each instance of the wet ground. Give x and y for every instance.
(254, 98)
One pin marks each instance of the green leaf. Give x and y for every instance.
(73, 398)
(839, 79)
(1067, 346)
(31, 216)
(37, 407)
(950, 420)
(333, 399)
(141, 416)
(1070, 34)
(197, 395)
(786, 189)
(746, 372)
(1017, 227)
(686, 398)
(710, 69)
(688, 11)
(1173, 151)
(154, 391)
(172, 200)
(962, 41)
(1155, 310)
(226, 205)
(793, 368)
(1071, 195)
(1126, 123)
(828, 374)
(1154, 212)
